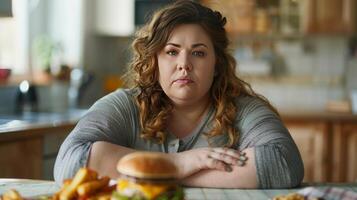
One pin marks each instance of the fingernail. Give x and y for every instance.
(242, 153)
(241, 163)
(243, 158)
(228, 168)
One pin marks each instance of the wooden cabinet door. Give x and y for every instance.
(21, 159)
(311, 139)
(351, 131)
(345, 152)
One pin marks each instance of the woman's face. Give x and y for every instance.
(187, 65)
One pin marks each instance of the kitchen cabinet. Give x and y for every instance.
(345, 152)
(239, 14)
(31, 152)
(5, 8)
(287, 17)
(330, 16)
(29, 143)
(21, 159)
(114, 18)
(328, 145)
(51, 145)
(311, 139)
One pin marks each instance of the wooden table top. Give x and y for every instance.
(29, 188)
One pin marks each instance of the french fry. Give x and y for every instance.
(11, 195)
(81, 176)
(105, 197)
(90, 187)
(67, 181)
(82, 198)
(84, 185)
(108, 189)
(291, 196)
(93, 174)
(101, 196)
(56, 196)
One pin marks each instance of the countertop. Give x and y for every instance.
(321, 115)
(31, 188)
(38, 122)
(12, 125)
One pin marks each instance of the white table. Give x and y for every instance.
(28, 188)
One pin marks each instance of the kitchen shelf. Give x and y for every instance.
(278, 36)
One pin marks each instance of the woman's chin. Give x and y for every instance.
(185, 99)
(182, 99)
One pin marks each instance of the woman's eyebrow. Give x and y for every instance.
(193, 46)
(173, 44)
(198, 45)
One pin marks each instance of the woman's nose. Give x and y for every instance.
(184, 62)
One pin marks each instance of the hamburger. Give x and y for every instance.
(147, 175)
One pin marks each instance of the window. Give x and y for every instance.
(13, 42)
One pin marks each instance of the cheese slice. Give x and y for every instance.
(150, 191)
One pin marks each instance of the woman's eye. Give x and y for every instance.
(171, 53)
(198, 53)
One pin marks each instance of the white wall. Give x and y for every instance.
(65, 25)
(62, 21)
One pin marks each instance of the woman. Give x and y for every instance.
(188, 102)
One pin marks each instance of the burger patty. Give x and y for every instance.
(175, 193)
(166, 181)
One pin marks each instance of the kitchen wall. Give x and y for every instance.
(309, 81)
(51, 98)
(314, 74)
(62, 22)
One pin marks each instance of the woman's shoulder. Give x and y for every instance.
(248, 101)
(122, 93)
(254, 105)
(119, 98)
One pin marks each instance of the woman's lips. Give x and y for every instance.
(183, 81)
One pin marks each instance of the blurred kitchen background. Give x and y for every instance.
(57, 57)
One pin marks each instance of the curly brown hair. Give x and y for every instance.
(154, 106)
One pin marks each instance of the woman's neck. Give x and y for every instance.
(185, 118)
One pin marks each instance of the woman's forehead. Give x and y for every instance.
(189, 33)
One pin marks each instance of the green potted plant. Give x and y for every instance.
(43, 49)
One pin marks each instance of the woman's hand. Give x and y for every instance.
(192, 161)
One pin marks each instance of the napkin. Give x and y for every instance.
(328, 193)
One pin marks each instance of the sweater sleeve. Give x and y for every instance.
(109, 119)
(277, 158)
